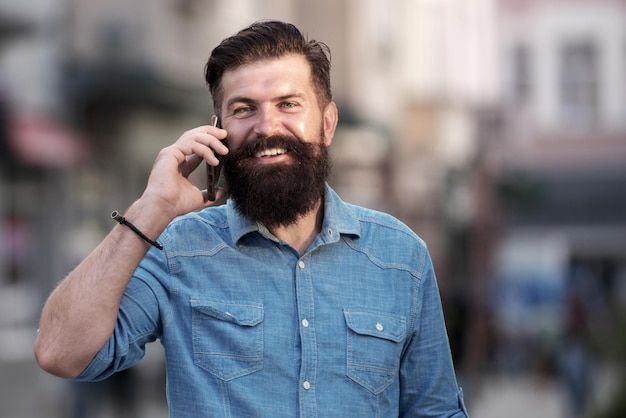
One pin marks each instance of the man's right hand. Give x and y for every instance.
(169, 186)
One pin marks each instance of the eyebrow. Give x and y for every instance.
(239, 99)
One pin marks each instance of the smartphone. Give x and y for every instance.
(212, 171)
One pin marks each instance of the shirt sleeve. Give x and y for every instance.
(138, 322)
(427, 378)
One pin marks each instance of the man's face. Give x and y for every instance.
(271, 97)
(278, 138)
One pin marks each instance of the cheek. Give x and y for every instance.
(235, 137)
(300, 129)
(307, 128)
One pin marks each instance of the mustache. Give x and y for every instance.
(251, 148)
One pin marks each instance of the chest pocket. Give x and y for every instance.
(227, 337)
(374, 348)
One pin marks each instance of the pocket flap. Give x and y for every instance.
(244, 313)
(379, 325)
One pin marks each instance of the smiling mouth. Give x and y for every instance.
(270, 152)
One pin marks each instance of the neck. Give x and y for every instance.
(301, 234)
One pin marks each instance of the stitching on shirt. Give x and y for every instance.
(199, 252)
(383, 264)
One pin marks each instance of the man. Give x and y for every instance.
(284, 302)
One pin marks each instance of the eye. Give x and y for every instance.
(242, 111)
(288, 105)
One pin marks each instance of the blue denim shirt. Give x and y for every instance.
(353, 328)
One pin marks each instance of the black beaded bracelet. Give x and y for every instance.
(119, 218)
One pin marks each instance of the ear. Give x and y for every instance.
(331, 117)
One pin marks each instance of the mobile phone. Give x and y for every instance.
(212, 171)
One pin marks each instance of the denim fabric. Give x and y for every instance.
(353, 328)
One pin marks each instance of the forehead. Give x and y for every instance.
(275, 76)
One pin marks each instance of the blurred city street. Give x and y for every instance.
(517, 398)
(27, 392)
(495, 129)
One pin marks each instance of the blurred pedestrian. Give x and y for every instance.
(584, 306)
(574, 360)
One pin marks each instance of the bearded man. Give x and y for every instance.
(284, 302)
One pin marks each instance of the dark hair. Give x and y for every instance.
(265, 40)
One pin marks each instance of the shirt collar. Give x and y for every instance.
(339, 219)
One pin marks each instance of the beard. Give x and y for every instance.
(277, 194)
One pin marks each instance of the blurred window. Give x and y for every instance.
(579, 86)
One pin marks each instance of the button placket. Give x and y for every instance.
(308, 346)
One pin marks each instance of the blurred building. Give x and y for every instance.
(550, 173)
(554, 156)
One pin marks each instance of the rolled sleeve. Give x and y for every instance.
(428, 381)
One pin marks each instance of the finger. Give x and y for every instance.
(203, 134)
(208, 153)
(186, 148)
(207, 129)
(213, 142)
(207, 135)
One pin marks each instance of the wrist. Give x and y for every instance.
(148, 216)
(115, 215)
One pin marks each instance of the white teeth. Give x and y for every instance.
(270, 152)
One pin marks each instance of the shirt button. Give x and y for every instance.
(301, 264)
(379, 326)
(306, 385)
(305, 323)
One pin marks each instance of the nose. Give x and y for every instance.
(267, 122)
